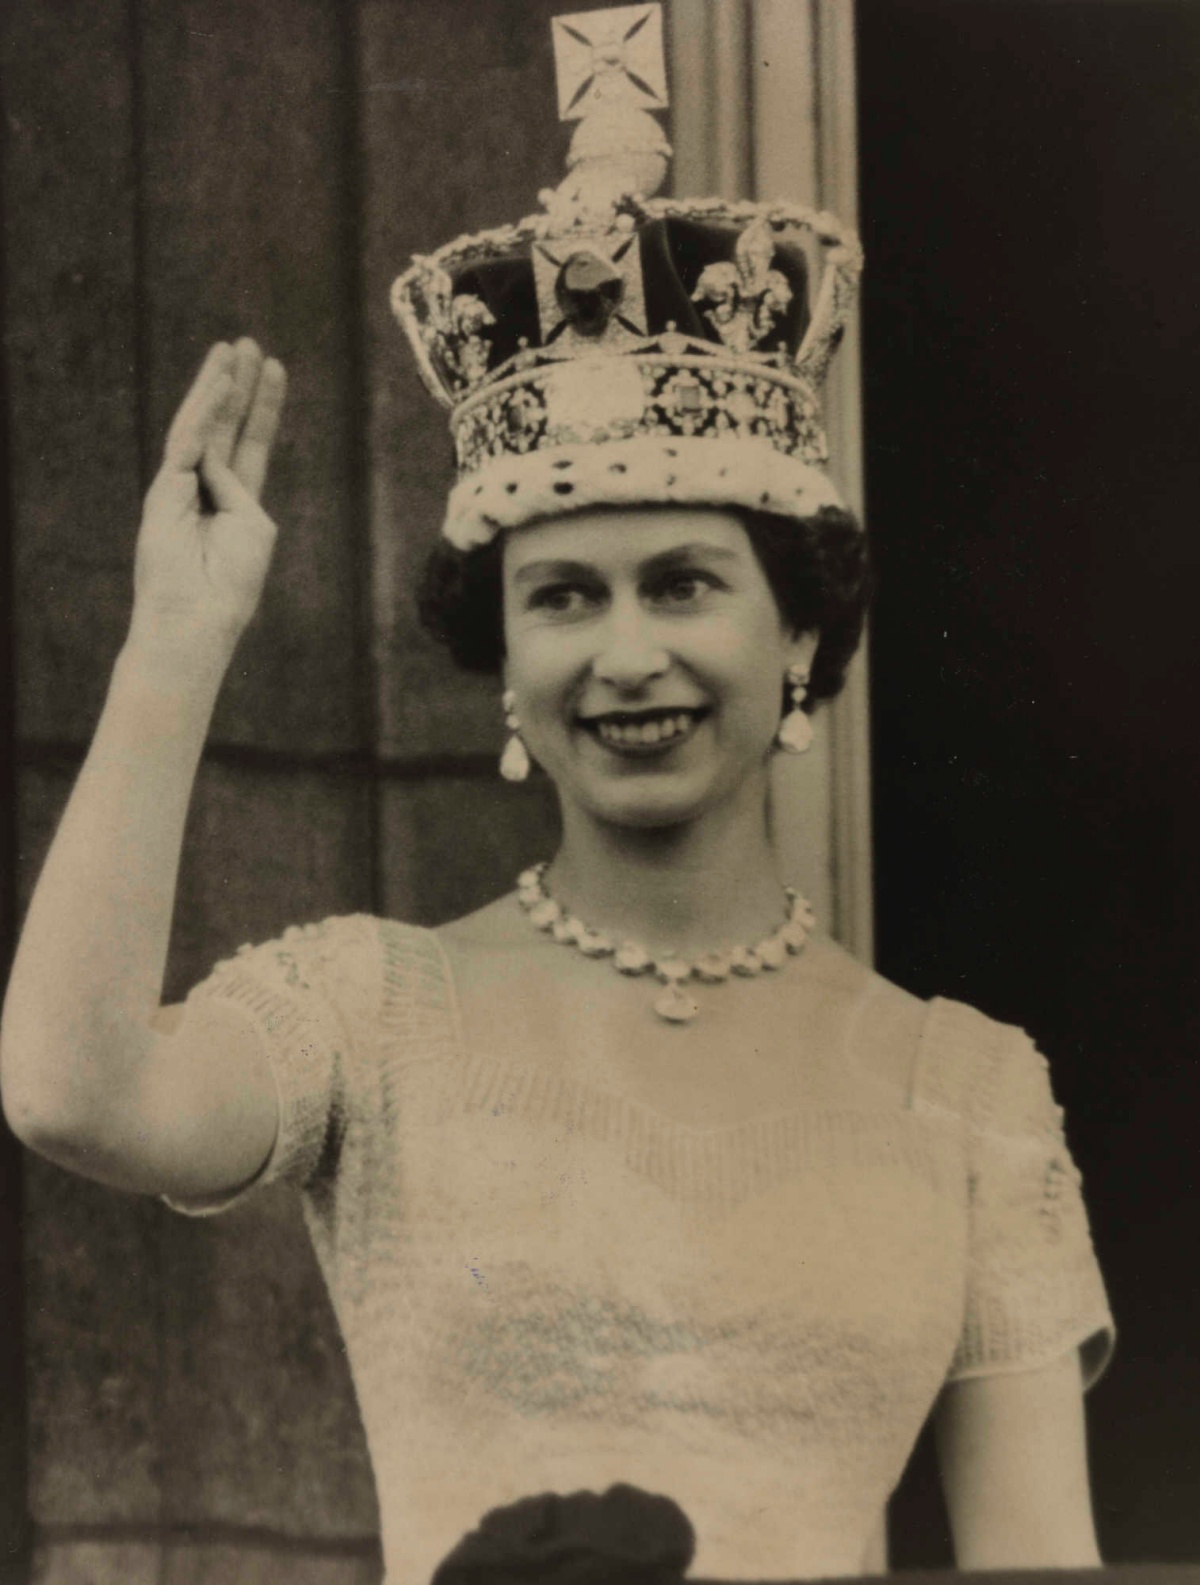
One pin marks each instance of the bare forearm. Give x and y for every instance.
(88, 974)
(1013, 1456)
(89, 1076)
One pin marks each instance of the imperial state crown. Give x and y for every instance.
(617, 348)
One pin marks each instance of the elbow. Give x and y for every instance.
(45, 1104)
(54, 1130)
(18, 1099)
(41, 1121)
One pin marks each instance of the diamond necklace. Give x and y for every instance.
(630, 957)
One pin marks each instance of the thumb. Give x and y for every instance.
(228, 492)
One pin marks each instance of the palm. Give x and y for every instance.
(205, 542)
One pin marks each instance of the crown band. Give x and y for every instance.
(652, 393)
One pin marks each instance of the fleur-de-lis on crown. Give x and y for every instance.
(457, 329)
(745, 299)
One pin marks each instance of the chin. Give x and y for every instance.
(652, 802)
(648, 814)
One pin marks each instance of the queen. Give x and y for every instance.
(655, 1224)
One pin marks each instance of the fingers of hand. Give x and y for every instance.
(228, 492)
(197, 412)
(231, 415)
(174, 493)
(253, 449)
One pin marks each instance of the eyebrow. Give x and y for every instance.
(536, 571)
(664, 561)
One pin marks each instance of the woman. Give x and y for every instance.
(726, 1225)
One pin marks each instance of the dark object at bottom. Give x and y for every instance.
(625, 1537)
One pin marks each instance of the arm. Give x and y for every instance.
(93, 1074)
(1013, 1458)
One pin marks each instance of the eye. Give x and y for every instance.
(683, 588)
(563, 599)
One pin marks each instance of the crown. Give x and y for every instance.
(617, 347)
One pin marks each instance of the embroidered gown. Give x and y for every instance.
(546, 1286)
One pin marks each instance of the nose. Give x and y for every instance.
(631, 651)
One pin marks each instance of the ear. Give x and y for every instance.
(800, 648)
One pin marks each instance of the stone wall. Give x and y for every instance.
(177, 171)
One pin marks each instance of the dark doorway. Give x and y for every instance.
(1030, 172)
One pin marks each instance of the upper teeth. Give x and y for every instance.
(658, 730)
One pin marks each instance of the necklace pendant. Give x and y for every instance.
(675, 1005)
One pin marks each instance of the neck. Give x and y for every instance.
(690, 888)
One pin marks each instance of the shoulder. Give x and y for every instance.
(346, 962)
(496, 926)
(840, 974)
(875, 1026)
(300, 958)
(985, 1070)
(946, 1055)
(493, 951)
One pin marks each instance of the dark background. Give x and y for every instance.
(1030, 182)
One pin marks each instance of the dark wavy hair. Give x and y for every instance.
(817, 568)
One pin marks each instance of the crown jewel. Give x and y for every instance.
(571, 346)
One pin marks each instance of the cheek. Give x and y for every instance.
(747, 660)
(542, 665)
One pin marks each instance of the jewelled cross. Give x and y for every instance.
(610, 58)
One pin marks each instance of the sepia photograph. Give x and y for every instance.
(600, 736)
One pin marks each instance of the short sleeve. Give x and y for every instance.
(1034, 1287)
(301, 993)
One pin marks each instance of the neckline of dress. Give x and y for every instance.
(912, 1110)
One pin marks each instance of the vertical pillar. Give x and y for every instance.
(14, 1507)
(763, 105)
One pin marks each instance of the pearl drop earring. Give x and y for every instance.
(795, 732)
(514, 762)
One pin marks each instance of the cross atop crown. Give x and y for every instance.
(610, 58)
(611, 74)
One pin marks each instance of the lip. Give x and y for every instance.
(643, 734)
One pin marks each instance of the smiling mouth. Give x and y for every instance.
(643, 730)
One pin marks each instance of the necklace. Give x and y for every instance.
(630, 957)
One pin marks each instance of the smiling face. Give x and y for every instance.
(647, 654)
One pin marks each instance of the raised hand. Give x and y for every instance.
(205, 542)
(91, 1077)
